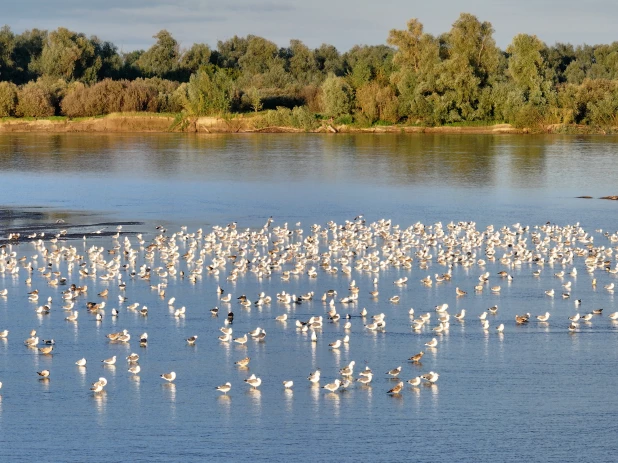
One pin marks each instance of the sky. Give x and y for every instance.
(130, 24)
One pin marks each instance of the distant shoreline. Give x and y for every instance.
(154, 123)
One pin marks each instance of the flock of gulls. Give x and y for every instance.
(57, 277)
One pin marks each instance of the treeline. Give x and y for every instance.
(460, 76)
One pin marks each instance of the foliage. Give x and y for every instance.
(208, 95)
(160, 60)
(458, 77)
(8, 99)
(34, 100)
(299, 117)
(336, 96)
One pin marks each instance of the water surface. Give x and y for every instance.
(538, 392)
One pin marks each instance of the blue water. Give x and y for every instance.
(537, 393)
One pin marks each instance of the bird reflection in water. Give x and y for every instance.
(255, 396)
(334, 398)
(136, 381)
(225, 401)
(289, 395)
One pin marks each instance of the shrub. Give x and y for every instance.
(8, 99)
(34, 101)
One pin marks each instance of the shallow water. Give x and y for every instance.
(538, 392)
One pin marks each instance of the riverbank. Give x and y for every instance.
(159, 123)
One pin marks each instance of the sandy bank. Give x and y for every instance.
(121, 123)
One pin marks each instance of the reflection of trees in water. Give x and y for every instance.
(399, 159)
(423, 158)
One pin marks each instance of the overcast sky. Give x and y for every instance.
(130, 24)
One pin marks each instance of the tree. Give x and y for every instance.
(416, 60)
(337, 96)
(529, 70)
(194, 59)
(209, 95)
(302, 63)
(470, 66)
(260, 56)
(7, 45)
(28, 48)
(228, 53)
(255, 99)
(329, 60)
(160, 60)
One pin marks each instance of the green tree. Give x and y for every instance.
(337, 96)
(209, 95)
(195, 58)
(229, 52)
(416, 61)
(69, 56)
(329, 60)
(529, 70)
(302, 63)
(470, 67)
(160, 60)
(28, 48)
(260, 56)
(7, 45)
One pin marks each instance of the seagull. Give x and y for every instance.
(349, 370)
(415, 381)
(191, 340)
(110, 361)
(543, 318)
(171, 376)
(46, 350)
(243, 362)
(314, 377)
(132, 358)
(432, 343)
(432, 377)
(288, 384)
(225, 388)
(336, 344)
(397, 389)
(81, 362)
(366, 378)
(241, 340)
(500, 328)
(394, 372)
(417, 358)
(332, 387)
(43, 374)
(253, 381)
(135, 369)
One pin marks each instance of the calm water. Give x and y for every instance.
(537, 392)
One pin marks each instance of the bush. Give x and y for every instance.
(377, 103)
(529, 116)
(300, 117)
(8, 99)
(208, 96)
(34, 101)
